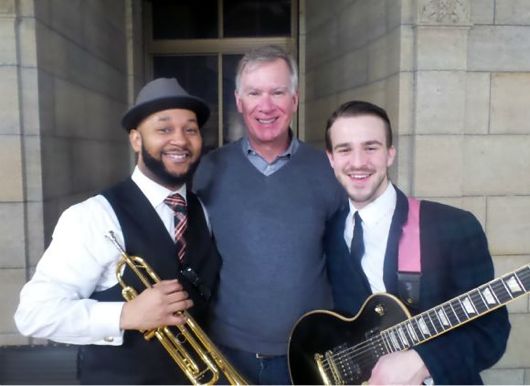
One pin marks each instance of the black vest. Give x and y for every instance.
(138, 361)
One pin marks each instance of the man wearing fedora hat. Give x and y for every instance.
(74, 296)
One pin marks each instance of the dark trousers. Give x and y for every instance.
(259, 369)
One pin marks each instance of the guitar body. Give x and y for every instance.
(319, 331)
(328, 348)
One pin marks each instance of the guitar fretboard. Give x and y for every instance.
(456, 311)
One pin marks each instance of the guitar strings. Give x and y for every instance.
(358, 352)
(365, 352)
(361, 350)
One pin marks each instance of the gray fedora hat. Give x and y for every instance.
(162, 94)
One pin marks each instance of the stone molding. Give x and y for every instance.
(444, 12)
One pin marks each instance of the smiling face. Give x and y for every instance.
(267, 102)
(168, 144)
(360, 157)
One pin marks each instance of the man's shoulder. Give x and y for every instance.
(311, 150)
(218, 158)
(431, 208)
(436, 214)
(313, 158)
(441, 209)
(96, 203)
(215, 163)
(90, 212)
(444, 218)
(223, 151)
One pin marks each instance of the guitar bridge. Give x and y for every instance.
(319, 358)
(328, 369)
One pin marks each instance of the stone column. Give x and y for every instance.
(64, 81)
(440, 78)
(21, 227)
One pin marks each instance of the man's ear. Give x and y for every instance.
(330, 158)
(238, 102)
(136, 140)
(294, 100)
(391, 156)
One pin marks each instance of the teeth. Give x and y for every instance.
(358, 177)
(266, 121)
(178, 156)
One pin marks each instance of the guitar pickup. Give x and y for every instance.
(371, 333)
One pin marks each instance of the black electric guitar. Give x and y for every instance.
(329, 349)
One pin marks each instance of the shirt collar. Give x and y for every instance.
(291, 149)
(382, 206)
(154, 192)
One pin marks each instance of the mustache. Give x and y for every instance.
(158, 168)
(175, 148)
(359, 170)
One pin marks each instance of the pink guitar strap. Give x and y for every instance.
(409, 244)
(409, 256)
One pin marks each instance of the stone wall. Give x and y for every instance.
(16, 107)
(496, 156)
(64, 80)
(82, 62)
(454, 76)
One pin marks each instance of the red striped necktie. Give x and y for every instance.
(178, 204)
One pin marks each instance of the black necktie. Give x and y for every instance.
(357, 243)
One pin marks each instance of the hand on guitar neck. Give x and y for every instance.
(412, 370)
(329, 348)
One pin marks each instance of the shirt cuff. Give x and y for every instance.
(105, 322)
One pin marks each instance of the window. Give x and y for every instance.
(200, 43)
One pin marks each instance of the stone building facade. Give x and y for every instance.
(453, 74)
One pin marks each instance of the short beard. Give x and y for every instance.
(166, 178)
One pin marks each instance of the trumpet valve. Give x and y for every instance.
(129, 293)
(148, 335)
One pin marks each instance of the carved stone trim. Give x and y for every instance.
(444, 12)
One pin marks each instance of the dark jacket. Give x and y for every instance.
(454, 260)
(138, 361)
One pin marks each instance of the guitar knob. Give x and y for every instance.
(379, 310)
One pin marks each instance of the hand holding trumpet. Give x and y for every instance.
(159, 305)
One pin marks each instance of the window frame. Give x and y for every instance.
(219, 47)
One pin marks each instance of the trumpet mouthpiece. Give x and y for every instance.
(112, 237)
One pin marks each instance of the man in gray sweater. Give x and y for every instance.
(269, 197)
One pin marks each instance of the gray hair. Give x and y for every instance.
(267, 54)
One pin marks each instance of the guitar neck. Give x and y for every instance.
(457, 311)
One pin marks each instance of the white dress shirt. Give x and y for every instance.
(376, 219)
(54, 304)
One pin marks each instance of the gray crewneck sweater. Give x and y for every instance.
(269, 232)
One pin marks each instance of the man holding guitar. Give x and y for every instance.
(454, 258)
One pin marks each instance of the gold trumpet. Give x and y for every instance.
(191, 337)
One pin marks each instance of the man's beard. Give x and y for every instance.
(158, 169)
